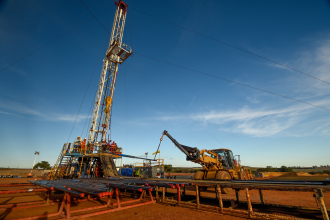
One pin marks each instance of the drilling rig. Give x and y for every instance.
(94, 157)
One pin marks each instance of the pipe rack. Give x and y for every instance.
(109, 187)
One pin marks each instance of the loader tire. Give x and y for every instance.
(248, 175)
(243, 176)
(223, 175)
(198, 175)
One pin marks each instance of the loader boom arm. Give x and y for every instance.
(192, 153)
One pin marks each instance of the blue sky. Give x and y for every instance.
(41, 94)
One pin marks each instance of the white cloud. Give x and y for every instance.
(314, 62)
(7, 113)
(258, 121)
(70, 118)
(252, 100)
(21, 109)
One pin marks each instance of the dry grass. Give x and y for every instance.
(301, 178)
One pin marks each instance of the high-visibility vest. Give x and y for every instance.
(83, 144)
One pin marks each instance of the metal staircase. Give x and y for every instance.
(62, 164)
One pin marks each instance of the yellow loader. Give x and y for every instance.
(217, 164)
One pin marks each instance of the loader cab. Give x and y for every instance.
(226, 157)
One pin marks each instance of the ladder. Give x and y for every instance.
(62, 161)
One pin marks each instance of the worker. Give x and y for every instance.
(104, 146)
(76, 144)
(158, 175)
(113, 147)
(83, 145)
(137, 173)
(108, 146)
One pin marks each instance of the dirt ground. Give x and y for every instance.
(151, 211)
(22, 172)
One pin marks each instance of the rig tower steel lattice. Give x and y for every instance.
(116, 54)
(91, 157)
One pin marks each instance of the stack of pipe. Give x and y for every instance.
(98, 188)
(140, 182)
(52, 187)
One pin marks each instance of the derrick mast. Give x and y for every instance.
(90, 157)
(116, 54)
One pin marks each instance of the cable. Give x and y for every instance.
(126, 99)
(130, 31)
(246, 163)
(175, 104)
(89, 112)
(228, 80)
(126, 109)
(94, 15)
(87, 87)
(235, 47)
(52, 40)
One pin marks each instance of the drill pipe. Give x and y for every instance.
(85, 188)
(160, 184)
(175, 183)
(142, 182)
(56, 187)
(283, 182)
(89, 191)
(123, 186)
(98, 187)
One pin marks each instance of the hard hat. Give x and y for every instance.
(78, 136)
(84, 138)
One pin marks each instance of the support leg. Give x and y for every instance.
(157, 195)
(261, 197)
(216, 194)
(117, 196)
(237, 195)
(47, 196)
(150, 194)
(62, 204)
(197, 196)
(68, 205)
(319, 198)
(163, 194)
(109, 200)
(179, 195)
(220, 198)
(249, 202)
(142, 193)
